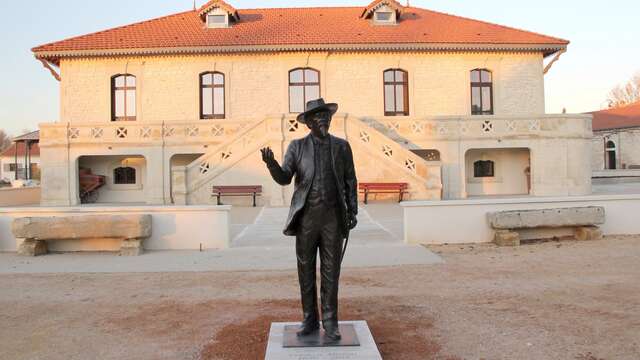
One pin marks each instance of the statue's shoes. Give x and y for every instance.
(308, 329)
(332, 333)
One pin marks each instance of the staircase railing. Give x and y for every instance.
(426, 174)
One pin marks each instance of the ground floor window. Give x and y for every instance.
(124, 175)
(610, 155)
(483, 168)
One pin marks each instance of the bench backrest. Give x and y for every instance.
(237, 189)
(383, 186)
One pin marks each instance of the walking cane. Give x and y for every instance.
(346, 242)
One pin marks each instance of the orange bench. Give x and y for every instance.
(237, 190)
(383, 188)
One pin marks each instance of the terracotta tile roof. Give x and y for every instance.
(11, 150)
(282, 27)
(617, 118)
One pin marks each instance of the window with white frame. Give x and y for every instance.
(123, 97)
(304, 86)
(217, 20)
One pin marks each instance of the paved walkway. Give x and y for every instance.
(267, 231)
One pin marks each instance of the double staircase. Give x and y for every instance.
(236, 161)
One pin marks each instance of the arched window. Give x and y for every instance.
(124, 175)
(483, 168)
(304, 86)
(123, 97)
(481, 92)
(212, 95)
(396, 92)
(610, 159)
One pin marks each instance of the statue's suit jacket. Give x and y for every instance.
(299, 161)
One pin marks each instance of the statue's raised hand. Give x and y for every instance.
(267, 156)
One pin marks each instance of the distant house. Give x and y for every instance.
(14, 158)
(616, 138)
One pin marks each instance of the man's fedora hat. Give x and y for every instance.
(315, 106)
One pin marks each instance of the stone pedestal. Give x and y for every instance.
(588, 233)
(507, 238)
(366, 350)
(131, 247)
(31, 247)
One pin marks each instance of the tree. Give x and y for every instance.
(626, 94)
(5, 140)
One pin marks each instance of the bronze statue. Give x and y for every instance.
(323, 211)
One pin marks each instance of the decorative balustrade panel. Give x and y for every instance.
(140, 133)
(483, 127)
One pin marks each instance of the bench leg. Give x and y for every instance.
(401, 194)
(219, 203)
(254, 199)
(583, 233)
(31, 247)
(506, 238)
(131, 247)
(366, 195)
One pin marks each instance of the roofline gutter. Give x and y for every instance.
(547, 49)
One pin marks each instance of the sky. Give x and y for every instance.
(604, 49)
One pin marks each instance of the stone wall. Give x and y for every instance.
(257, 85)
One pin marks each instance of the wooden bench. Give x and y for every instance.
(383, 188)
(583, 220)
(237, 190)
(36, 231)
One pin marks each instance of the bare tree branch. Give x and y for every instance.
(626, 94)
(5, 140)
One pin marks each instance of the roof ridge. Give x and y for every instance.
(34, 49)
(490, 23)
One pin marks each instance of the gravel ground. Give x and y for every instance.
(555, 300)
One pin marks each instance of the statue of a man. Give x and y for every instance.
(323, 210)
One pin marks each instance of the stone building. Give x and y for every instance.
(21, 160)
(169, 107)
(616, 138)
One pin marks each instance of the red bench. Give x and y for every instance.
(383, 188)
(239, 190)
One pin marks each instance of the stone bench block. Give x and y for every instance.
(549, 218)
(132, 229)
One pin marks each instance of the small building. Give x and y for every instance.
(167, 108)
(21, 160)
(616, 138)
